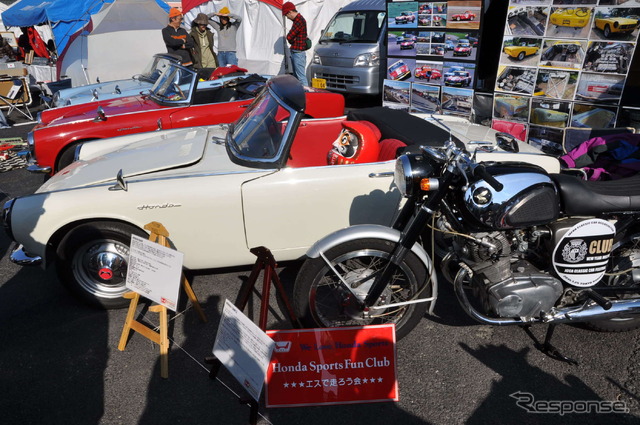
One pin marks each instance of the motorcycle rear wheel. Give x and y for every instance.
(621, 259)
(321, 300)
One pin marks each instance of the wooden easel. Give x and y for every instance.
(267, 263)
(158, 234)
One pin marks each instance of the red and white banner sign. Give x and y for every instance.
(332, 366)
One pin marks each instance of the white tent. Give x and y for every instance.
(118, 42)
(260, 42)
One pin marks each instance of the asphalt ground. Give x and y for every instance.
(60, 364)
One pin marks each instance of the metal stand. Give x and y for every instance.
(267, 262)
(546, 347)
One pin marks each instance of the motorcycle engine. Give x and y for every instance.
(507, 284)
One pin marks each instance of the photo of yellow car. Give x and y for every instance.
(521, 52)
(615, 25)
(575, 18)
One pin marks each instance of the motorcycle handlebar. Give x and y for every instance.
(482, 173)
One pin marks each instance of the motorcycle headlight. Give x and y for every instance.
(410, 171)
(6, 217)
(367, 59)
(316, 59)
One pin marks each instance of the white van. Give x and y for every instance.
(350, 56)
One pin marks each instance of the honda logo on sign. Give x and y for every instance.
(283, 346)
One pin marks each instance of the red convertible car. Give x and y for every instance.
(175, 101)
(466, 16)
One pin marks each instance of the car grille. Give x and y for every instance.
(628, 27)
(337, 81)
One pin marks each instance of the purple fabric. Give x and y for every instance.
(608, 157)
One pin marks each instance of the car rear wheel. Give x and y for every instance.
(92, 262)
(521, 56)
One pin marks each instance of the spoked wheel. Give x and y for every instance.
(624, 259)
(321, 299)
(93, 262)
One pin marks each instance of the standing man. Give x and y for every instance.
(204, 56)
(297, 38)
(227, 31)
(176, 38)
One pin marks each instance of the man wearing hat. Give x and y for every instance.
(227, 31)
(176, 38)
(203, 54)
(297, 38)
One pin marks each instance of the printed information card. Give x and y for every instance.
(154, 271)
(243, 348)
(332, 366)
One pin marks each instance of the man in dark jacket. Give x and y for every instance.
(203, 54)
(176, 38)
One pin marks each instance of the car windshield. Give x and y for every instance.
(259, 133)
(174, 85)
(155, 68)
(355, 27)
(460, 74)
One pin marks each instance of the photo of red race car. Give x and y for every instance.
(466, 16)
(405, 18)
(426, 72)
(399, 71)
(463, 48)
(407, 44)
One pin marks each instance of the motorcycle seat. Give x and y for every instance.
(584, 197)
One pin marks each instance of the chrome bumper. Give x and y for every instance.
(21, 258)
(32, 165)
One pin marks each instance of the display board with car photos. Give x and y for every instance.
(432, 53)
(564, 63)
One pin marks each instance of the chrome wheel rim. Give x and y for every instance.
(100, 267)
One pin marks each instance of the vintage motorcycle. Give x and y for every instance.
(520, 246)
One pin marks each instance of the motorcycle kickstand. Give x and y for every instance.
(546, 347)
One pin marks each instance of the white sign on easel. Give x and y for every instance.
(243, 348)
(154, 271)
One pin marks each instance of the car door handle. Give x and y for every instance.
(377, 175)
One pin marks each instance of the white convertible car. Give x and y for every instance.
(274, 178)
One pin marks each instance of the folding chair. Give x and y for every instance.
(48, 90)
(15, 97)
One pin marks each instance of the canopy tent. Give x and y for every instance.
(66, 17)
(260, 42)
(117, 43)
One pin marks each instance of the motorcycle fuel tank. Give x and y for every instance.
(529, 198)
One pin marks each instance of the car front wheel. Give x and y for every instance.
(92, 262)
(607, 31)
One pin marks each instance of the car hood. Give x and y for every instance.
(87, 111)
(105, 91)
(163, 154)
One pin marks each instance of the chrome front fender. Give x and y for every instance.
(374, 231)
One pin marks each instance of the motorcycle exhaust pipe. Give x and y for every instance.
(585, 313)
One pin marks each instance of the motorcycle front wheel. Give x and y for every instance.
(321, 299)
